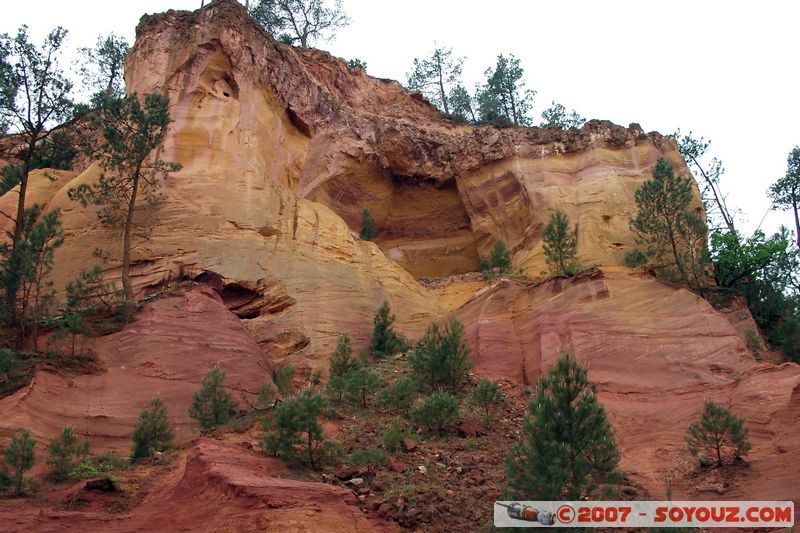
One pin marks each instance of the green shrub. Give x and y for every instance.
(717, 432)
(64, 452)
(336, 388)
(385, 340)
(19, 456)
(295, 424)
(436, 412)
(282, 377)
(361, 385)
(560, 245)
(499, 261)
(635, 259)
(486, 395)
(369, 228)
(567, 449)
(369, 458)
(266, 397)
(153, 432)
(211, 405)
(753, 343)
(441, 356)
(342, 360)
(394, 434)
(400, 395)
(9, 370)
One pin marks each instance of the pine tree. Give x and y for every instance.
(560, 245)
(568, 449)
(504, 98)
(19, 456)
(153, 432)
(103, 66)
(501, 257)
(34, 102)
(64, 452)
(361, 385)
(718, 431)
(665, 224)
(369, 228)
(295, 424)
(485, 395)
(282, 378)
(211, 405)
(300, 22)
(441, 357)
(132, 132)
(342, 361)
(436, 77)
(385, 340)
(436, 412)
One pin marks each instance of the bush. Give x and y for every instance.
(266, 397)
(441, 357)
(211, 405)
(385, 340)
(499, 261)
(282, 377)
(718, 431)
(336, 388)
(369, 228)
(560, 245)
(296, 425)
(369, 458)
(567, 450)
(9, 370)
(153, 432)
(753, 343)
(485, 395)
(394, 434)
(342, 360)
(361, 385)
(400, 395)
(635, 259)
(19, 456)
(436, 412)
(64, 452)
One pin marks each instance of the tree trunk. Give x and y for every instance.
(126, 240)
(19, 228)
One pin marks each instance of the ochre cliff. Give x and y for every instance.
(281, 149)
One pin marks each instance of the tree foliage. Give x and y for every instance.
(18, 459)
(560, 245)
(282, 376)
(717, 433)
(65, 452)
(153, 432)
(361, 384)
(441, 357)
(486, 395)
(342, 361)
(132, 131)
(503, 99)
(436, 77)
(295, 425)
(499, 261)
(436, 412)
(385, 340)
(694, 150)
(556, 116)
(785, 193)
(665, 224)
(369, 228)
(399, 395)
(34, 100)
(300, 22)
(211, 405)
(103, 66)
(568, 449)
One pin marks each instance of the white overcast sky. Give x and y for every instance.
(725, 70)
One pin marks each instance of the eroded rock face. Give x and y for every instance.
(216, 487)
(281, 150)
(165, 352)
(657, 354)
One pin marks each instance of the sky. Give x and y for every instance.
(723, 70)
